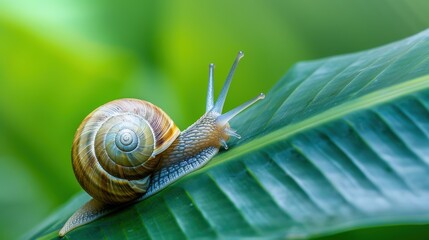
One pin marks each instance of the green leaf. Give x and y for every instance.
(338, 144)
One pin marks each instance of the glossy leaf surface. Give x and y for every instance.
(338, 144)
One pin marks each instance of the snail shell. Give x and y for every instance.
(116, 148)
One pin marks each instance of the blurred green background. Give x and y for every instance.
(59, 60)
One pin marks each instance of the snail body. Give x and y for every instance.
(129, 149)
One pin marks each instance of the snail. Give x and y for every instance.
(129, 149)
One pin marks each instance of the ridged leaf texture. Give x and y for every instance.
(338, 144)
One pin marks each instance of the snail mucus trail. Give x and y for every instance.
(129, 149)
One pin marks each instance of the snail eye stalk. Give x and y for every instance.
(210, 90)
(222, 96)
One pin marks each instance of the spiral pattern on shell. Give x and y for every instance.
(115, 148)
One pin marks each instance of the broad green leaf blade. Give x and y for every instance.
(338, 144)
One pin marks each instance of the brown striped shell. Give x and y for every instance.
(115, 149)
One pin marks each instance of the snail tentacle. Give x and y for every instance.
(226, 117)
(210, 89)
(222, 96)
